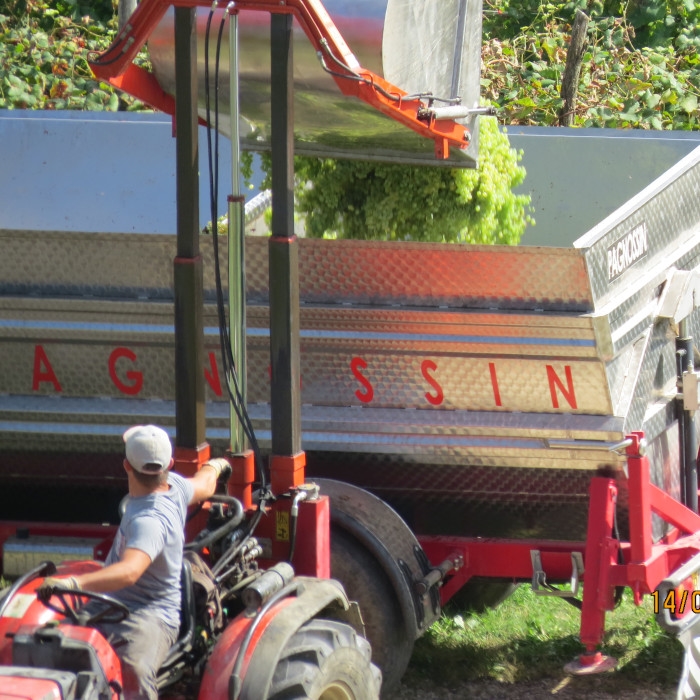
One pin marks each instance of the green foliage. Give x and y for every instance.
(44, 45)
(640, 68)
(375, 201)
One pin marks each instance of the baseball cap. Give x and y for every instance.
(148, 449)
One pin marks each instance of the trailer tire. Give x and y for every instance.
(326, 660)
(481, 594)
(366, 582)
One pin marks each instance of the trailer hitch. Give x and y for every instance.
(438, 574)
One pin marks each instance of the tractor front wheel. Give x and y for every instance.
(326, 660)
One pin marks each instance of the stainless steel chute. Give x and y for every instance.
(421, 46)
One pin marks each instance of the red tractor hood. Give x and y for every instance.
(29, 684)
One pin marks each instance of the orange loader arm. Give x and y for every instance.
(115, 67)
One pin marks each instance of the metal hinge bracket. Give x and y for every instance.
(539, 578)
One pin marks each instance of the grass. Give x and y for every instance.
(531, 637)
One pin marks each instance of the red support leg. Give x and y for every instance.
(598, 593)
(639, 486)
(312, 556)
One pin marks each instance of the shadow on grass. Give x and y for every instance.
(657, 663)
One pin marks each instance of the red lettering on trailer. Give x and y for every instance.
(555, 382)
(356, 364)
(434, 386)
(438, 397)
(43, 371)
(213, 377)
(135, 377)
(494, 384)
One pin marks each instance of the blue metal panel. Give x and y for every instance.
(95, 171)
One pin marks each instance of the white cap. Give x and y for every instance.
(148, 449)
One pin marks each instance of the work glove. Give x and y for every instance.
(222, 468)
(46, 589)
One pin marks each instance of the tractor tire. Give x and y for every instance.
(326, 660)
(366, 582)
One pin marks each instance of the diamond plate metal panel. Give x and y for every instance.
(431, 275)
(102, 265)
(20, 555)
(664, 457)
(469, 500)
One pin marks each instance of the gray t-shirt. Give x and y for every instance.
(155, 524)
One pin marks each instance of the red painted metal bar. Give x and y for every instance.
(140, 83)
(639, 481)
(498, 558)
(512, 559)
(351, 78)
(312, 555)
(649, 563)
(645, 577)
(672, 511)
(646, 498)
(242, 478)
(600, 556)
(287, 471)
(188, 460)
(311, 552)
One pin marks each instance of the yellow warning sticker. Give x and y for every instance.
(282, 526)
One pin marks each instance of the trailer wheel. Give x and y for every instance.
(480, 594)
(364, 581)
(326, 660)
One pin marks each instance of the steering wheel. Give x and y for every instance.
(114, 612)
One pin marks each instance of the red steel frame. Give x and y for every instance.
(115, 66)
(640, 563)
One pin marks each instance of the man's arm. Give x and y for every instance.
(125, 572)
(204, 481)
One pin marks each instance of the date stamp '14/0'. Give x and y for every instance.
(677, 601)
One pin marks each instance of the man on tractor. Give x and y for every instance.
(144, 565)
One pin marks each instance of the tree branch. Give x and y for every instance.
(574, 56)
